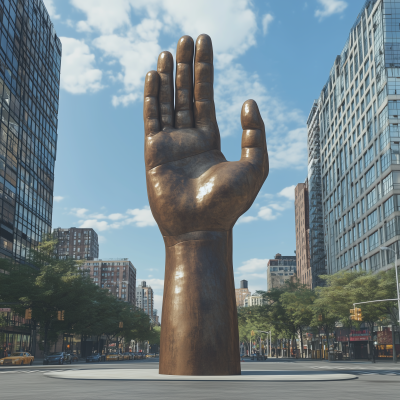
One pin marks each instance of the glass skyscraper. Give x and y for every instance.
(359, 110)
(30, 60)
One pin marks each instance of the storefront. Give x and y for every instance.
(352, 343)
(384, 343)
(14, 334)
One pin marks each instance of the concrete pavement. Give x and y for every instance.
(373, 381)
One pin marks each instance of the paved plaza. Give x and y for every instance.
(370, 381)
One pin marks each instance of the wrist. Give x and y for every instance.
(199, 306)
(207, 236)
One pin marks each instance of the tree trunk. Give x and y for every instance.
(320, 342)
(327, 340)
(46, 329)
(301, 343)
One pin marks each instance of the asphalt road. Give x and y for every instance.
(375, 381)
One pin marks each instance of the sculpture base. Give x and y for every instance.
(153, 375)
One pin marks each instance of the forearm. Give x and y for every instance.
(199, 309)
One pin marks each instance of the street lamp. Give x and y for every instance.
(397, 277)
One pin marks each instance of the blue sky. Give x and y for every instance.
(279, 53)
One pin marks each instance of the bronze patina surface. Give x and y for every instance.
(196, 196)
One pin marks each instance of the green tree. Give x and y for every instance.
(298, 305)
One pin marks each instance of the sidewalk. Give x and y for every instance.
(361, 360)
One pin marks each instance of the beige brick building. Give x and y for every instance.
(76, 243)
(118, 275)
(302, 234)
(242, 293)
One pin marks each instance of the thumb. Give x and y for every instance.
(254, 145)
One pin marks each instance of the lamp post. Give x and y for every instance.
(398, 300)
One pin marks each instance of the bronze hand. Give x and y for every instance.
(196, 197)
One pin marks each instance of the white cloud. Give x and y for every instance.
(51, 9)
(274, 207)
(104, 15)
(288, 192)
(116, 216)
(245, 219)
(142, 217)
(78, 74)
(124, 100)
(267, 19)
(254, 265)
(330, 7)
(79, 212)
(136, 47)
(267, 213)
(289, 151)
(58, 198)
(95, 224)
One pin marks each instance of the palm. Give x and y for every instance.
(190, 184)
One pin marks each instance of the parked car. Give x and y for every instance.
(20, 358)
(58, 357)
(128, 356)
(114, 357)
(139, 356)
(94, 358)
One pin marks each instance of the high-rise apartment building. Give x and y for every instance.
(303, 269)
(30, 60)
(156, 318)
(118, 275)
(145, 299)
(242, 293)
(77, 243)
(359, 110)
(279, 270)
(315, 210)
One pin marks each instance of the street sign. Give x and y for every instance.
(5, 309)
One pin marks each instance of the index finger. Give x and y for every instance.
(151, 115)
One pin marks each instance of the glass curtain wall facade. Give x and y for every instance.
(30, 60)
(315, 214)
(360, 139)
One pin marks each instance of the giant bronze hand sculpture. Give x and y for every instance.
(196, 197)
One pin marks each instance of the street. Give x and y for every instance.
(373, 381)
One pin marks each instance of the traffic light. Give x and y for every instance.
(28, 313)
(355, 314)
(60, 315)
(320, 317)
(252, 333)
(121, 325)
